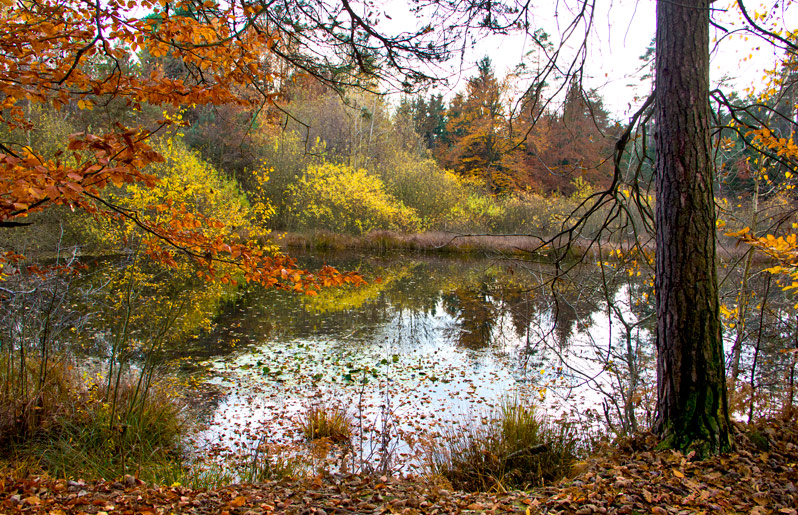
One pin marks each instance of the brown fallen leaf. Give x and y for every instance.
(34, 500)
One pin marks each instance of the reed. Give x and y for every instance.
(512, 448)
(328, 422)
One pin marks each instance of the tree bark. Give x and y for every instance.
(692, 410)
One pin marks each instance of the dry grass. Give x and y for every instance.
(514, 449)
(326, 422)
(432, 241)
(71, 430)
(455, 243)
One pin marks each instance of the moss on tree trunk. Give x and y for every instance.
(692, 411)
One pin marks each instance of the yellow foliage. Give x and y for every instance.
(343, 199)
(430, 190)
(262, 209)
(783, 249)
(333, 300)
(184, 181)
(139, 292)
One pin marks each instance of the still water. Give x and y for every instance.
(428, 344)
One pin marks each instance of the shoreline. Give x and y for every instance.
(449, 242)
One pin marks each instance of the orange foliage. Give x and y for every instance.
(76, 54)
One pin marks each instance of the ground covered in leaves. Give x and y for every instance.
(630, 477)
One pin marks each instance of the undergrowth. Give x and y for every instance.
(513, 448)
(79, 432)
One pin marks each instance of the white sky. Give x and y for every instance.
(622, 31)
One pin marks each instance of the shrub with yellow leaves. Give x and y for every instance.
(343, 199)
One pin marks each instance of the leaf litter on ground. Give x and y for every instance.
(629, 477)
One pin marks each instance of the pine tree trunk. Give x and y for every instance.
(692, 410)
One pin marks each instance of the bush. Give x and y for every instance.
(30, 403)
(342, 199)
(512, 449)
(183, 179)
(422, 185)
(527, 213)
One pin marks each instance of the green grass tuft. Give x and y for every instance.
(330, 422)
(513, 448)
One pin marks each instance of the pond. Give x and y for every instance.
(430, 346)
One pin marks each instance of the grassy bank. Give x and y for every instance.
(427, 242)
(72, 424)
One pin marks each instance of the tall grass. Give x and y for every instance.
(77, 434)
(330, 422)
(513, 448)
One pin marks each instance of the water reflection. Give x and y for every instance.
(433, 340)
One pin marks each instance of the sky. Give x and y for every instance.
(621, 32)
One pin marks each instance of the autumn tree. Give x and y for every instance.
(79, 55)
(477, 127)
(558, 147)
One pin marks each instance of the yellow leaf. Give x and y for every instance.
(740, 233)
